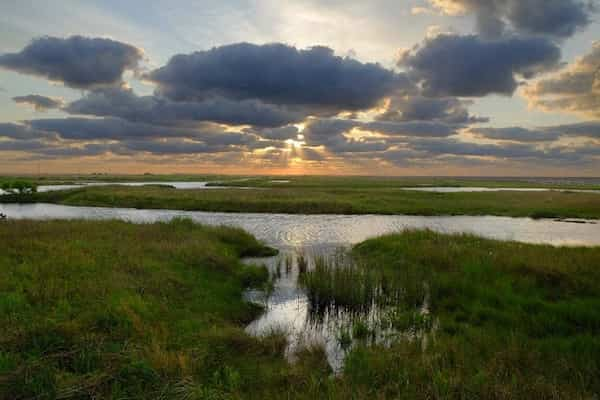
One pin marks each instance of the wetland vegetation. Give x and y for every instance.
(334, 200)
(118, 310)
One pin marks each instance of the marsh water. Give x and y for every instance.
(287, 307)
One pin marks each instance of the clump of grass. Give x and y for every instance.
(345, 338)
(360, 330)
(302, 264)
(358, 286)
(340, 284)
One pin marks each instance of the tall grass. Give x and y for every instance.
(359, 285)
(116, 310)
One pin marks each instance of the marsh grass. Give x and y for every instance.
(92, 309)
(342, 282)
(514, 320)
(322, 199)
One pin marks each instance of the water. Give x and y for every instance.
(176, 185)
(287, 308)
(313, 231)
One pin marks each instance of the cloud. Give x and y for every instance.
(590, 129)
(40, 103)
(175, 146)
(22, 145)
(334, 133)
(557, 18)
(76, 61)
(115, 129)
(469, 66)
(277, 74)
(22, 132)
(504, 151)
(420, 11)
(282, 133)
(576, 89)
(419, 108)
(124, 103)
(516, 134)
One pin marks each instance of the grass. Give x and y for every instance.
(348, 200)
(117, 310)
(107, 309)
(366, 182)
(515, 321)
(314, 181)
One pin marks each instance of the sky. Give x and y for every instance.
(384, 87)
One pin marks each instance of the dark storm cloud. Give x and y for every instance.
(124, 103)
(40, 103)
(558, 18)
(418, 108)
(77, 61)
(277, 73)
(576, 89)
(469, 66)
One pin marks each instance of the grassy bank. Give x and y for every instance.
(116, 310)
(346, 200)
(513, 321)
(316, 182)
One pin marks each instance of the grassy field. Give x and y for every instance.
(123, 311)
(367, 182)
(367, 200)
(310, 181)
(513, 321)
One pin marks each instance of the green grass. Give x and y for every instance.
(315, 181)
(514, 320)
(107, 309)
(366, 182)
(347, 200)
(117, 310)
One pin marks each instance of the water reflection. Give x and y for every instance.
(337, 328)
